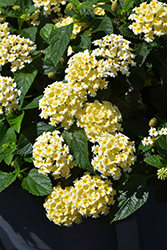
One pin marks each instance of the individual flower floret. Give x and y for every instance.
(149, 19)
(163, 131)
(51, 155)
(99, 11)
(92, 195)
(63, 21)
(60, 103)
(147, 141)
(113, 153)
(115, 54)
(49, 5)
(153, 132)
(99, 118)
(162, 174)
(82, 74)
(9, 95)
(60, 207)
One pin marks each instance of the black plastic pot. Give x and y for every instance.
(24, 226)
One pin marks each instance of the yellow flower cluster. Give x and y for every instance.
(98, 119)
(112, 153)
(116, 55)
(9, 95)
(60, 103)
(14, 49)
(162, 174)
(82, 74)
(63, 21)
(60, 208)
(99, 11)
(49, 5)
(150, 19)
(51, 155)
(90, 196)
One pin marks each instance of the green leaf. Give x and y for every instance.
(86, 40)
(77, 143)
(49, 66)
(131, 196)
(8, 155)
(8, 146)
(5, 3)
(128, 4)
(162, 142)
(17, 163)
(155, 161)
(46, 31)
(85, 5)
(142, 50)
(24, 78)
(6, 179)
(105, 25)
(126, 32)
(28, 159)
(10, 137)
(3, 129)
(28, 136)
(43, 127)
(105, 7)
(74, 2)
(29, 33)
(34, 103)
(59, 40)
(37, 184)
(143, 148)
(15, 120)
(23, 3)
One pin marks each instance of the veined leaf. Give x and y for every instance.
(85, 41)
(142, 50)
(28, 136)
(131, 196)
(128, 4)
(5, 3)
(34, 103)
(77, 143)
(29, 33)
(15, 120)
(46, 31)
(85, 5)
(36, 183)
(143, 148)
(23, 3)
(8, 155)
(155, 161)
(24, 78)
(105, 25)
(74, 2)
(162, 142)
(59, 40)
(6, 179)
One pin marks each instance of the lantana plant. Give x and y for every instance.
(83, 115)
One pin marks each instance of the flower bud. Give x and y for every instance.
(152, 122)
(51, 75)
(114, 6)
